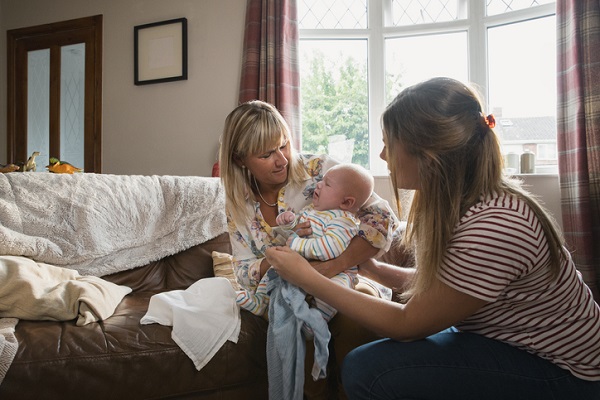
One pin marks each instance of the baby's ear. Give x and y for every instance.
(348, 203)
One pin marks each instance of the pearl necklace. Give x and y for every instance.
(260, 194)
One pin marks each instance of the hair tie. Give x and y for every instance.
(490, 121)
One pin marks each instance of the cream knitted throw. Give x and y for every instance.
(8, 344)
(100, 224)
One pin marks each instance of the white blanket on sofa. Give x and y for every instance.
(100, 224)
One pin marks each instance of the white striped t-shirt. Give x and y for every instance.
(499, 254)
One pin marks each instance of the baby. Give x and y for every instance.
(344, 189)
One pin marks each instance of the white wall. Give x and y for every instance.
(547, 189)
(168, 128)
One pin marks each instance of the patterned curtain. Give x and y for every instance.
(270, 70)
(579, 132)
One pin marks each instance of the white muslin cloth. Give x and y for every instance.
(203, 317)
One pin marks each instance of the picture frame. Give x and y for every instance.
(160, 51)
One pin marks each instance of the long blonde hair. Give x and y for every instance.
(251, 128)
(441, 122)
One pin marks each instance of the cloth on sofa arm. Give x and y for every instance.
(38, 291)
(101, 224)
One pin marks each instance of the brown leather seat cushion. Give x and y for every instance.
(120, 359)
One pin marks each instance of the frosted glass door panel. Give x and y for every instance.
(38, 105)
(72, 95)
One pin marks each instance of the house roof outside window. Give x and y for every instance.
(526, 130)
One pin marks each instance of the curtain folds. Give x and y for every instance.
(578, 119)
(270, 70)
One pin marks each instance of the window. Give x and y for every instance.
(356, 55)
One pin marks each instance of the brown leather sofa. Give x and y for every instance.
(120, 359)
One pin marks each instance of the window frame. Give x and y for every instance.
(476, 24)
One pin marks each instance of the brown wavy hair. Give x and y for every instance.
(441, 122)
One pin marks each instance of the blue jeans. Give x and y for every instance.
(457, 365)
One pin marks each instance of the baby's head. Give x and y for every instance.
(344, 186)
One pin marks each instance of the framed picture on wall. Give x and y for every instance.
(160, 52)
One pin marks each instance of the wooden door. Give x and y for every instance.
(64, 123)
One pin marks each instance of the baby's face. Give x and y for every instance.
(330, 192)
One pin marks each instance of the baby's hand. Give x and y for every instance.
(285, 218)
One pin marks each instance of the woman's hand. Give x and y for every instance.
(303, 229)
(290, 265)
(358, 251)
(395, 277)
(329, 268)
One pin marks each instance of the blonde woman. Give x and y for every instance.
(495, 308)
(263, 176)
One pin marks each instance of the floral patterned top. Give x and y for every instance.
(249, 243)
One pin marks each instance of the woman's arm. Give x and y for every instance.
(378, 223)
(395, 277)
(247, 266)
(437, 308)
(247, 246)
(358, 251)
(335, 236)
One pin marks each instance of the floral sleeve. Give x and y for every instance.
(248, 250)
(378, 223)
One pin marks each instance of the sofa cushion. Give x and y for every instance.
(121, 359)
